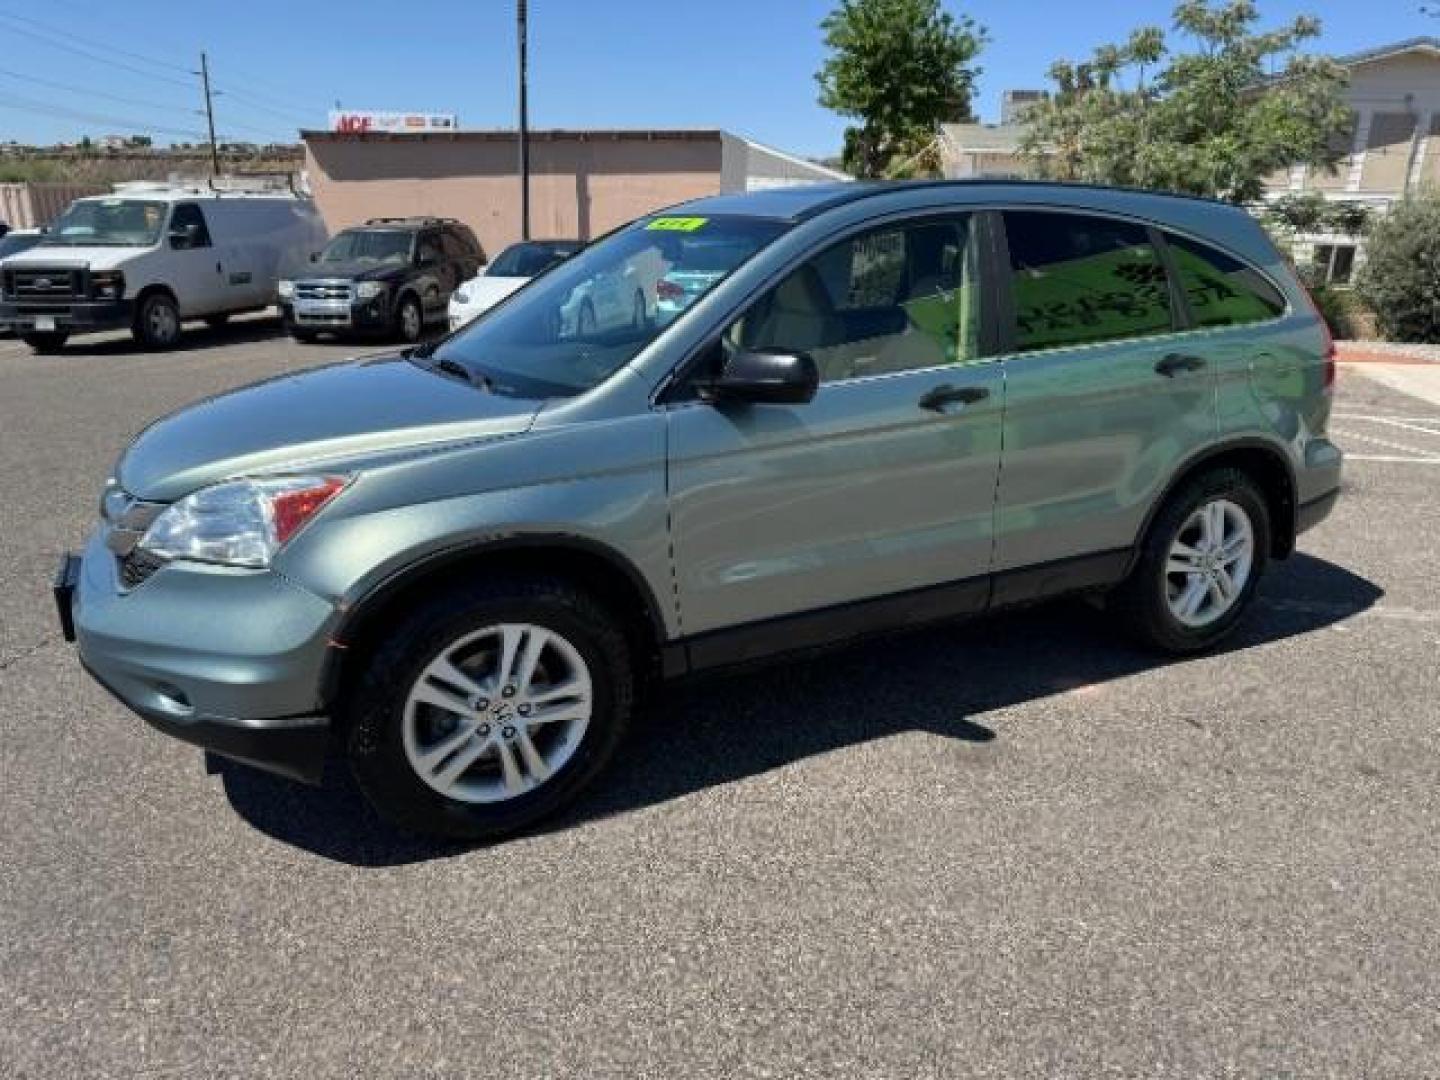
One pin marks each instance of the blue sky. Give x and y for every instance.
(745, 65)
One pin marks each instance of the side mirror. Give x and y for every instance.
(775, 378)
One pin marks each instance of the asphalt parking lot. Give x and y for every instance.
(1008, 848)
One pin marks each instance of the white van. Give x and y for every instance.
(150, 256)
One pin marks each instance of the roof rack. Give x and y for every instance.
(419, 220)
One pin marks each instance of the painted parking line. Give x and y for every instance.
(1409, 440)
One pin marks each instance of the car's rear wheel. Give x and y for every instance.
(47, 342)
(409, 320)
(157, 323)
(490, 708)
(1200, 564)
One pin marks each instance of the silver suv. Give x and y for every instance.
(751, 424)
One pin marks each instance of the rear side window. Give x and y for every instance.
(1220, 289)
(1077, 279)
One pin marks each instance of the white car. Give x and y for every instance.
(511, 269)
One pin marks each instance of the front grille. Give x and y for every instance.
(322, 290)
(41, 283)
(324, 318)
(136, 568)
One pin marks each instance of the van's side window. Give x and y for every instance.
(1078, 279)
(898, 298)
(183, 218)
(1220, 289)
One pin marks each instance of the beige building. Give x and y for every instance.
(1393, 145)
(582, 183)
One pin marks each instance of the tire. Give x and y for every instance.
(157, 323)
(409, 320)
(387, 728)
(48, 342)
(216, 322)
(1154, 599)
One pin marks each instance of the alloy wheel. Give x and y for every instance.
(1209, 563)
(497, 713)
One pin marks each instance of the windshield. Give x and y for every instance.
(108, 223)
(525, 260)
(374, 246)
(574, 327)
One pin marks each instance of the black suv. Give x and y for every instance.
(390, 276)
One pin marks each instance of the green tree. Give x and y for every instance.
(900, 67)
(1214, 121)
(1400, 279)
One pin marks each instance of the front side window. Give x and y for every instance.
(1078, 279)
(1220, 289)
(899, 298)
(578, 323)
(108, 223)
(188, 222)
(369, 247)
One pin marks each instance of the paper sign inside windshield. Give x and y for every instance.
(677, 224)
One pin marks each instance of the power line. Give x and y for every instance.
(99, 58)
(18, 103)
(269, 133)
(66, 32)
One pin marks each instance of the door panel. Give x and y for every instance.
(885, 481)
(196, 272)
(1109, 400)
(859, 493)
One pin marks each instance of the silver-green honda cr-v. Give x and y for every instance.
(750, 424)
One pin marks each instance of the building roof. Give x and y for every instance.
(509, 135)
(1424, 43)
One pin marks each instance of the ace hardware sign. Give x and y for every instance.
(353, 122)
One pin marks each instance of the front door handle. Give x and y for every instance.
(935, 400)
(1174, 363)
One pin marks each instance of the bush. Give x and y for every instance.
(1400, 279)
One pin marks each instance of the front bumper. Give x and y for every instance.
(75, 316)
(229, 661)
(339, 317)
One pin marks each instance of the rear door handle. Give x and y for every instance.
(1174, 363)
(935, 400)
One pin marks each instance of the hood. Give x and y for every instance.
(323, 419)
(352, 271)
(486, 292)
(97, 258)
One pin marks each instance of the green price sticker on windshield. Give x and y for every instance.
(677, 224)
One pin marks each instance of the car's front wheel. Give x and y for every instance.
(1200, 564)
(409, 320)
(490, 708)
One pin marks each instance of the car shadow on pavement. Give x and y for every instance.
(724, 728)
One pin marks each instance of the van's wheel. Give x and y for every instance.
(409, 320)
(1200, 564)
(157, 323)
(47, 342)
(216, 322)
(489, 707)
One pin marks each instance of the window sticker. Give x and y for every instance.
(677, 224)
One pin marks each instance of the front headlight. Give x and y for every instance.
(286, 289)
(368, 290)
(239, 522)
(108, 284)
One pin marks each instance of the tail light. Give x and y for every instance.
(668, 290)
(1328, 350)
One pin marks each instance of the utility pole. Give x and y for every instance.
(520, 14)
(209, 114)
